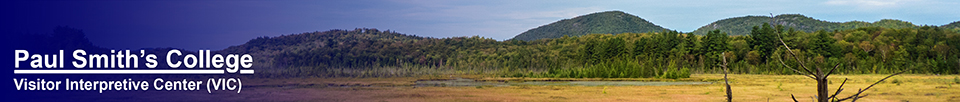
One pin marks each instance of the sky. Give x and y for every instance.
(217, 24)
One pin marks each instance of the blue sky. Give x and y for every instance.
(219, 24)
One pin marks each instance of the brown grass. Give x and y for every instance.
(746, 88)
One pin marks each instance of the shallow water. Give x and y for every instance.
(470, 82)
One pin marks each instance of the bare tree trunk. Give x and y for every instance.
(821, 76)
(725, 80)
(822, 91)
(729, 92)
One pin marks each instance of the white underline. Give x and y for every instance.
(212, 71)
(246, 71)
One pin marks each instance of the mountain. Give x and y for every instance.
(359, 48)
(608, 22)
(955, 26)
(743, 25)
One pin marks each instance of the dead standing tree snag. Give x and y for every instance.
(821, 77)
(725, 80)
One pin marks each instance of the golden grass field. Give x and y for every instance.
(746, 88)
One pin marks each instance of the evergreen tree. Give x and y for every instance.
(823, 44)
(714, 44)
(764, 40)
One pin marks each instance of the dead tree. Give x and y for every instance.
(725, 80)
(821, 77)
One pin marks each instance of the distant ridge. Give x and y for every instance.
(607, 22)
(743, 25)
(954, 26)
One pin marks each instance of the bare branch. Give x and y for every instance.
(792, 54)
(871, 85)
(839, 89)
(831, 70)
(858, 97)
(808, 74)
(821, 77)
(794, 98)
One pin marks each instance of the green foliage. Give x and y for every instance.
(955, 26)
(604, 90)
(668, 54)
(764, 41)
(608, 69)
(366, 52)
(896, 81)
(673, 73)
(956, 80)
(780, 85)
(714, 44)
(609, 22)
(741, 25)
(823, 44)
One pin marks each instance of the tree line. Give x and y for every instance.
(866, 50)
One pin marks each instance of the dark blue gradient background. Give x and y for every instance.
(43, 27)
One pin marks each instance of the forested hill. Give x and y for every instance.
(312, 53)
(743, 25)
(333, 48)
(955, 26)
(375, 53)
(608, 22)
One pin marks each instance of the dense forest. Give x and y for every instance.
(617, 22)
(741, 25)
(608, 22)
(955, 26)
(666, 54)
(670, 54)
